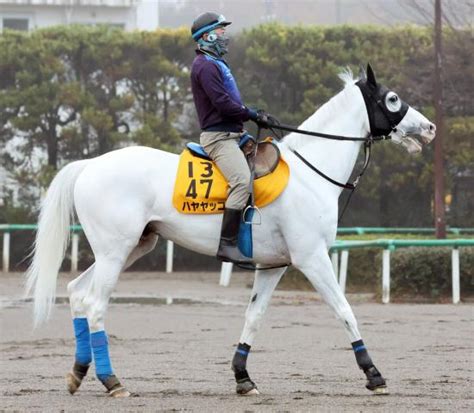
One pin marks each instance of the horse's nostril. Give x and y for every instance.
(432, 127)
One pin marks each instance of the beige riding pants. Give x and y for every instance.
(223, 148)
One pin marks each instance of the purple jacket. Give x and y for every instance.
(216, 96)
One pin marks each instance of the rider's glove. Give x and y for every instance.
(260, 118)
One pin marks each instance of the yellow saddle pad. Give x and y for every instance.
(200, 188)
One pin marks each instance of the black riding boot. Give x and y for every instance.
(228, 249)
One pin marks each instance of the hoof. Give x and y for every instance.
(114, 388)
(120, 392)
(375, 381)
(247, 388)
(74, 378)
(381, 391)
(72, 382)
(252, 392)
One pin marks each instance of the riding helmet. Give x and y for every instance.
(206, 22)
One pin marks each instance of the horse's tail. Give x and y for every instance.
(52, 238)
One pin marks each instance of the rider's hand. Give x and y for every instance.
(260, 118)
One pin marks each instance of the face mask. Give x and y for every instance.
(216, 44)
(222, 44)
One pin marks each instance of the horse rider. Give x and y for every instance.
(221, 116)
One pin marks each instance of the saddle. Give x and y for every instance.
(200, 188)
(265, 160)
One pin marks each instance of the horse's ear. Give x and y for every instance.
(371, 76)
(362, 74)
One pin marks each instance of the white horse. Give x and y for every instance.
(123, 200)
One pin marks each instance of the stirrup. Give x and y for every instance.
(257, 210)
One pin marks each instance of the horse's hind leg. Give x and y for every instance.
(319, 271)
(147, 243)
(77, 290)
(106, 272)
(263, 287)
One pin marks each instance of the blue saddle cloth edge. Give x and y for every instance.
(197, 150)
(245, 242)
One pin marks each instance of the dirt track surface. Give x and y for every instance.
(176, 357)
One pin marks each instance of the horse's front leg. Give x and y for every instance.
(263, 287)
(319, 271)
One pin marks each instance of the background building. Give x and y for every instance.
(34, 14)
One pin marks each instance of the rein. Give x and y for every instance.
(368, 141)
(351, 186)
(277, 125)
(348, 185)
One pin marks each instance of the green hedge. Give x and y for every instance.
(363, 276)
(426, 272)
(415, 274)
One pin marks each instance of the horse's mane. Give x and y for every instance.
(327, 111)
(347, 77)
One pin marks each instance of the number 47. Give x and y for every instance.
(192, 190)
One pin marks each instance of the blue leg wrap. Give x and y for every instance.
(83, 341)
(100, 347)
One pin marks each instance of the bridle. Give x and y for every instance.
(382, 122)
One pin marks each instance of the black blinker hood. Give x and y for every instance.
(382, 121)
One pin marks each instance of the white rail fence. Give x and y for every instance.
(340, 261)
(74, 252)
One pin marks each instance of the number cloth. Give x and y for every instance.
(200, 188)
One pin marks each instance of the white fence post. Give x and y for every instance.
(455, 276)
(386, 276)
(169, 256)
(226, 273)
(343, 270)
(6, 251)
(74, 251)
(335, 262)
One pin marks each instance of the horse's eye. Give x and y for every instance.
(392, 102)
